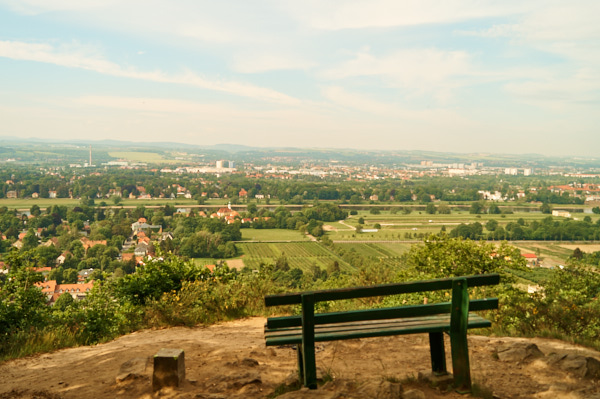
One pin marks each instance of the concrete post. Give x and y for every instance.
(169, 369)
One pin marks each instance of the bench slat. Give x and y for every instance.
(364, 330)
(369, 324)
(379, 290)
(380, 314)
(360, 325)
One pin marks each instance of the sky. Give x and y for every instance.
(452, 76)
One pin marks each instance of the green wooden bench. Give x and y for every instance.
(453, 318)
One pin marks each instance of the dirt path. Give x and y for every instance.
(230, 360)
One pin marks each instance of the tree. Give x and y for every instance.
(116, 199)
(64, 302)
(596, 210)
(477, 208)
(35, 210)
(494, 209)
(545, 208)
(30, 241)
(442, 256)
(252, 208)
(430, 208)
(282, 263)
(491, 225)
(70, 276)
(444, 209)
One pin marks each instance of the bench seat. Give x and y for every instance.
(454, 318)
(370, 328)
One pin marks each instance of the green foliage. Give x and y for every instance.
(430, 209)
(443, 256)
(494, 209)
(154, 278)
(477, 208)
(22, 305)
(471, 231)
(567, 308)
(64, 302)
(491, 225)
(204, 244)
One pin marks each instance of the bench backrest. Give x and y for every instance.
(458, 285)
(381, 290)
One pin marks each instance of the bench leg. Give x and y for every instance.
(438, 353)
(308, 341)
(300, 363)
(458, 336)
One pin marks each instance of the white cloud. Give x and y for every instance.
(503, 30)
(76, 56)
(439, 117)
(559, 93)
(34, 7)
(248, 62)
(338, 95)
(358, 14)
(420, 71)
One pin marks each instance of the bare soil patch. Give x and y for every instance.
(583, 247)
(230, 360)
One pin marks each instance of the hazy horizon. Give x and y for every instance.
(458, 76)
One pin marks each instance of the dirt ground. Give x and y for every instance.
(230, 360)
(589, 248)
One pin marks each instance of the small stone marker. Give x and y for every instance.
(169, 369)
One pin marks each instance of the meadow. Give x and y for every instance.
(27, 203)
(301, 255)
(418, 224)
(140, 156)
(273, 235)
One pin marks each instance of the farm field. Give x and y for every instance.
(234, 263)
(302, 255)
(376, 250)
(26, 203)
(417, 225)
(272, 235)
(140, 156)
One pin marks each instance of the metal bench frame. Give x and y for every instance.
(452, 317)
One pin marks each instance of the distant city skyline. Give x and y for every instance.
(456, 76)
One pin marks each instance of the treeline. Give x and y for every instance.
(547, 229)
(102, 185)
(309, 220)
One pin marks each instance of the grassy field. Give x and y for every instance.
(272, 235)
(26, 203)
(414, 226)
(146, 157)
(302, 255)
